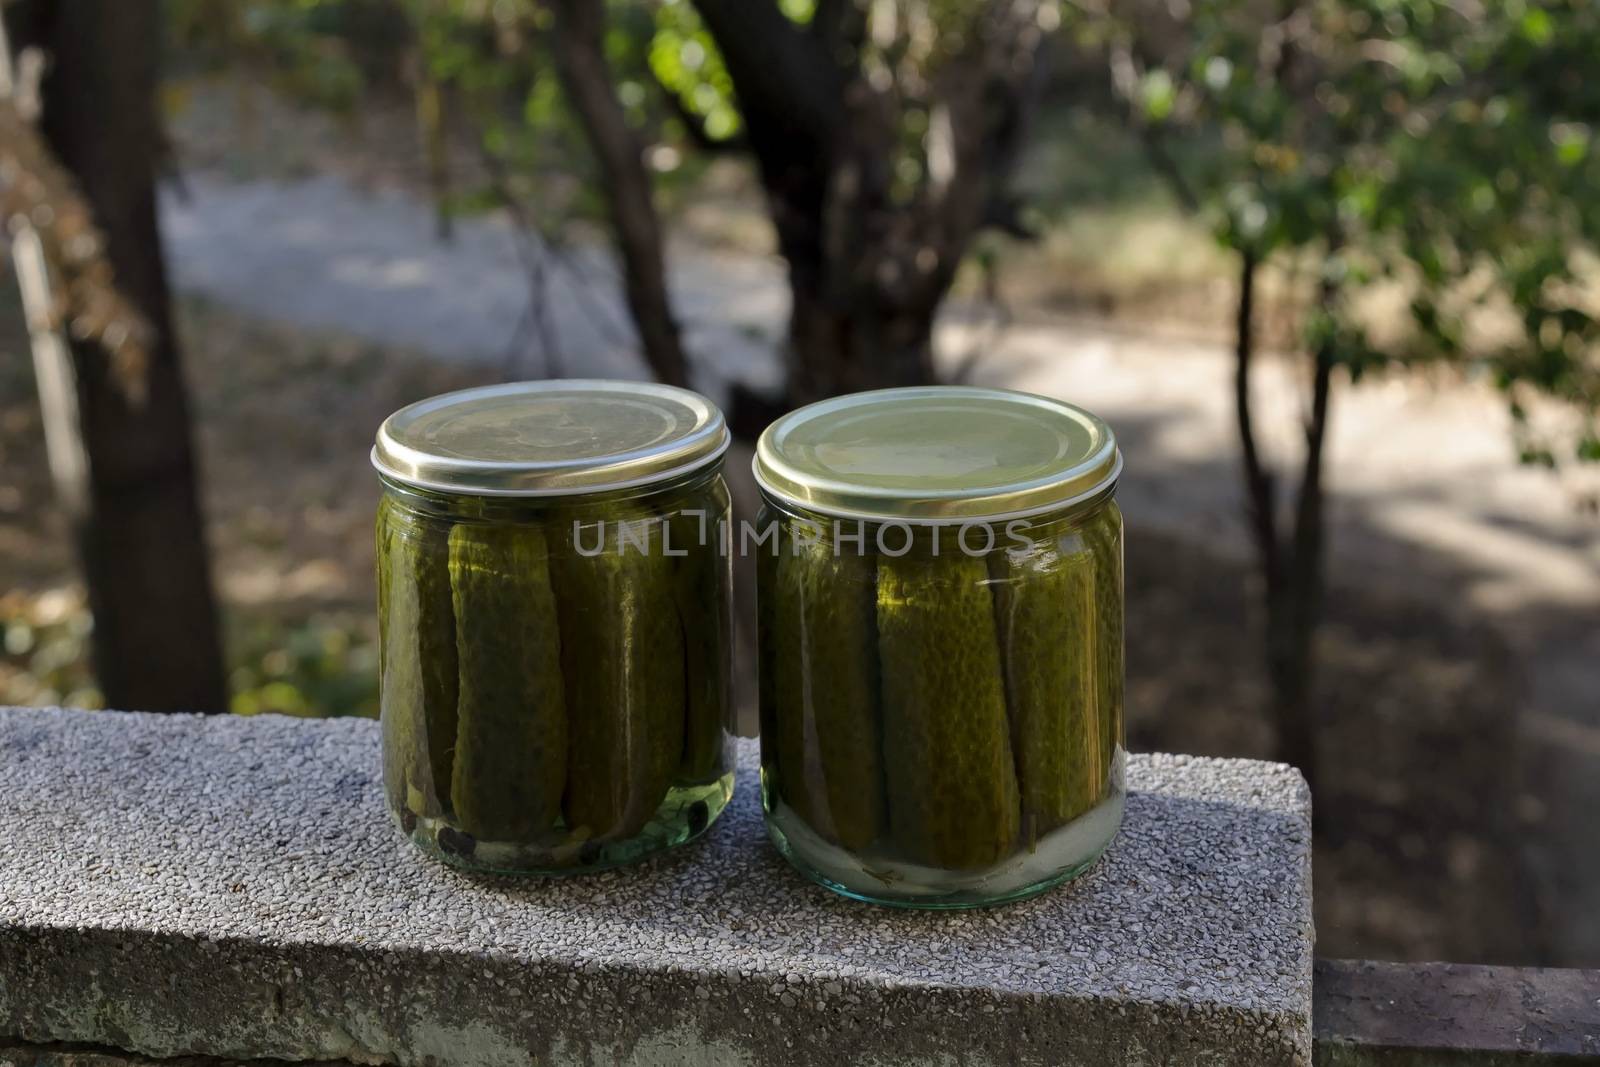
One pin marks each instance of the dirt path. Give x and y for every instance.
(324, 254)
(1429, 503)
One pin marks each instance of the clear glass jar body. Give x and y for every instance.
(556, 689)
(941, 707)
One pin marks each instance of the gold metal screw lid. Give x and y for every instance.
(550, 438)
(937, 454)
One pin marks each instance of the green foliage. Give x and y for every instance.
(1494, 201)
(493, 61)
(685, 60)
(497, 63)
(329, 52)
(44, 651)
(1443, 146)
(1440, 146)
(321, 667)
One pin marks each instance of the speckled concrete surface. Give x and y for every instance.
(177, 885)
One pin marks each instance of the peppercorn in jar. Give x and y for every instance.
(940, 632)
(554, 606)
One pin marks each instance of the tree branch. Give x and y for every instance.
(1300, 600)
(533, 248)
(39, 194)
(1308, 506)
(1155, 146)
(1127, 67)
(430, 115)
(581, 65)
(982, 101)
(1258, 481)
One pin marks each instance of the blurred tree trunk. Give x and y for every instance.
(1289, 545)
(840, 346)
(882, 157)
(1291, 556)
(635, 225)
(140, 532)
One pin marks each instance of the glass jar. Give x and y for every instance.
(939, 574)
(555, 615)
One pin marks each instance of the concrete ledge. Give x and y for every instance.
(1367, 1014)
(71, 1055)
(224, 887)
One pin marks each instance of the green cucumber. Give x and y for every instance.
(511, 741)
(952, 786)
(622, 657)
(1045, 613)
(827, 692)
(1103, 533)
(703, 593)
(416, 661)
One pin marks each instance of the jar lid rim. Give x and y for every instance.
(937, 454)
(557, 437)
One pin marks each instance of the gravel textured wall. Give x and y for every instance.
(182, 885)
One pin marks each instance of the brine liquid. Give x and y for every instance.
(685, 814)
(878, 874)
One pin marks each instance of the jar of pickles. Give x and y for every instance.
(554, 605)
(940, 631)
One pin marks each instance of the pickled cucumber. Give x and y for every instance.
(622, 655)
(826, 687)
(952, 787)
(416, 662)
(511, 742)
(1045, 612)
(703, 593)
(398, 706)
(777, 749)
(783, 727)
(1103, 533)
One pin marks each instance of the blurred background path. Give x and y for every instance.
(324, 254)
